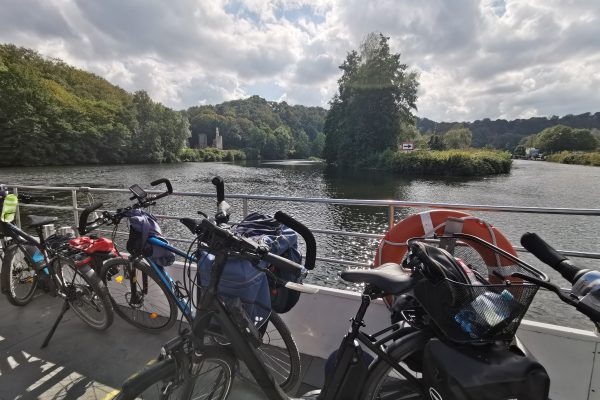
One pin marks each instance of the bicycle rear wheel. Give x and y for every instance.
(138, 295)
(190, 377)
(18, 278)
(86, 293)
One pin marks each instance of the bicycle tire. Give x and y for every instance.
(17, 267)
(383, 381)
(211, 378)
(279, 353)
(156, 315)
(87, 295)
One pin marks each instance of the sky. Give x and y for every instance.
(475, 58)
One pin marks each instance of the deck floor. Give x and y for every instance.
(81, 363)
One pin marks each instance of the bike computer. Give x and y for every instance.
(138, 192)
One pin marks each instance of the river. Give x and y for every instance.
(530, 183)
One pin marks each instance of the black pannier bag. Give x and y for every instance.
(282, 241)
(141, 226)
(488, 372)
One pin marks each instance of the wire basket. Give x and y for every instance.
(487, 303)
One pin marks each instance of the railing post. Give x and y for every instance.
(391, 216)
(245, 207)
(18, 211)
(75, 212)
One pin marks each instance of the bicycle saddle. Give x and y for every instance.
(388, 277)
(34, 221)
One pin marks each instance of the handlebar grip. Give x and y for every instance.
(220, 185)
(167, 184)
(84, 216)
(547, 254)
(283, 263)
(307, 235)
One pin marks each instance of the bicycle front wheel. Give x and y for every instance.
(139, 296)
(279, 353)
(85, 293)
(384, 382)
(18, 278)
(204, 377)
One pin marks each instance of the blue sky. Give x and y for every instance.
(475, 58)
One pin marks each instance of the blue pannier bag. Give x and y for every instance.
(141, 226)
(240, 280)
(282, 241)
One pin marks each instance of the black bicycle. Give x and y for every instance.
(144, 294)
(53, 265)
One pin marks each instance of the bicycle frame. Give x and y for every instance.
(164, 276)
(210, 306)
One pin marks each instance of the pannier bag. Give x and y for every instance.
(240, 280)
(482, 373)
(141, 226)
(282, 241)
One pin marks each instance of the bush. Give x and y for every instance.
(446, 163)
(211, 154)
(567, 157)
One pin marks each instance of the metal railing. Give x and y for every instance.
(391, 205)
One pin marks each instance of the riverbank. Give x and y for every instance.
(470, 162)
(579, 158)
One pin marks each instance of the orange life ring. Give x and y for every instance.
(393, 247)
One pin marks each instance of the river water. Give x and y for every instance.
(530, 183)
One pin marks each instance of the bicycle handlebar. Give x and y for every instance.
(309, 238)
(585, 293)
(167, 184)
(548, 255)
(220, 185)
(85, 227)
(220, 240)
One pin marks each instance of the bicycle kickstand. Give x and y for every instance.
(65, 308)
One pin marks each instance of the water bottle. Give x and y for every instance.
(35, 255)
(484, 313)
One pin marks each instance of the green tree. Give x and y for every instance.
(436, 143)
(561, 137)
(458, 138)
(376, 96)
(519, 151)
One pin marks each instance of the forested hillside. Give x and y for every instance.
(503, 134)
(262, 128)
(52, 113)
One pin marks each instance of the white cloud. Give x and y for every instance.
(477, 59)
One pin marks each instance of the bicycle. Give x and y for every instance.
(438, 365)
(59, 269)
(410, 365)
(145, 295)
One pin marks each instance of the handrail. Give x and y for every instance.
(391, 204)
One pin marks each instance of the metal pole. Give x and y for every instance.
(245, 207)
(392, 209)
(75, 212)
(18, 213)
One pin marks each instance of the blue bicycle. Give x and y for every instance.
(147, 296)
